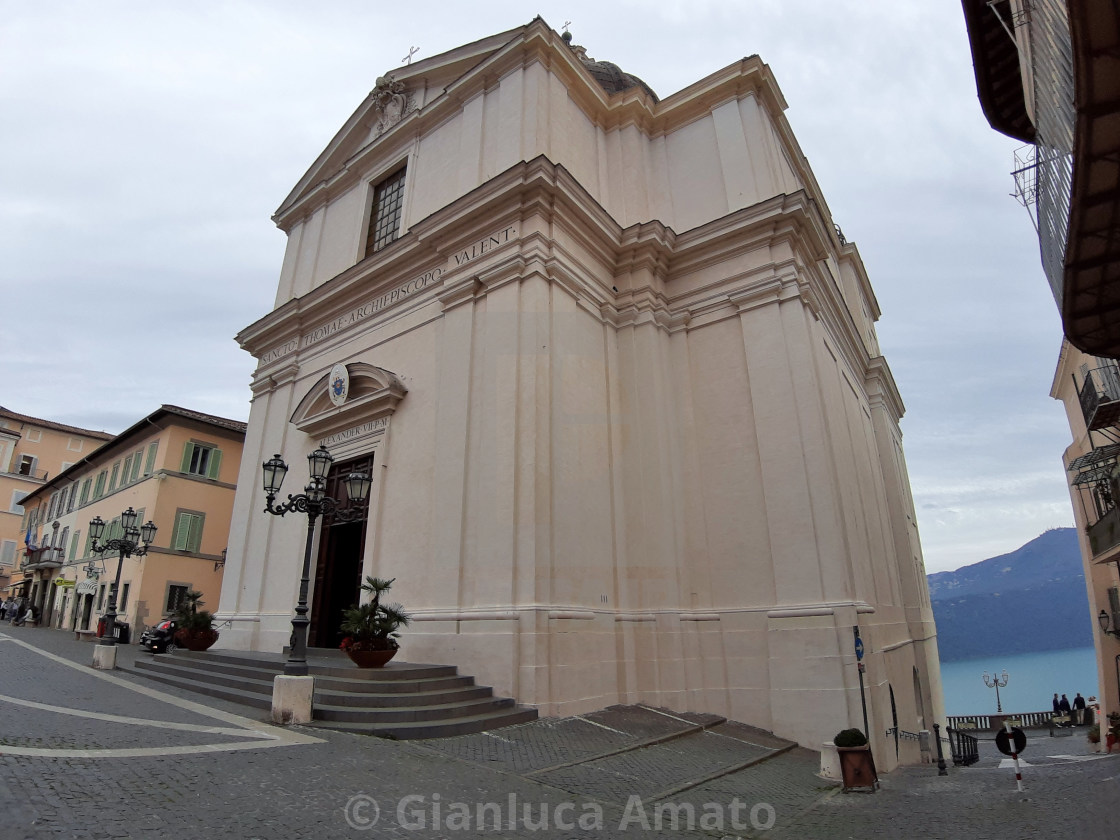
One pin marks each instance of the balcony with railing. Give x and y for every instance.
(23, 471)
(1099, 395)
(1104, 534)
(42, 558)
(1096, 477)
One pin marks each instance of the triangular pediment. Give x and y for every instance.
(419, 83)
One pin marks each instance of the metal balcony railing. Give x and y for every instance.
(1104, 534)
(27, 472)
(1099, 395)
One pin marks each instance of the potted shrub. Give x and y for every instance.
(1094, 734)
(371, 629)
(195, 627)
(856, 763)
(1113, 730)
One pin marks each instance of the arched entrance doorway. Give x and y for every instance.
(338, 570)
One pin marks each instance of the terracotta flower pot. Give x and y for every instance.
(370, 658)
(196, 640)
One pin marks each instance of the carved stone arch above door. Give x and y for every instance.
(373, 395)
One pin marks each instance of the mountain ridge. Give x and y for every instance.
(1027, 600)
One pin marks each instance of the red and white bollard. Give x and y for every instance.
(1014, 757)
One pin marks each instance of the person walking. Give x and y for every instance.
(1057, 705)
(1063, 705)
(1078, 710)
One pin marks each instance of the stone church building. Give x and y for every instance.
(615, 374)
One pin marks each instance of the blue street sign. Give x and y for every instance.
(859, 649)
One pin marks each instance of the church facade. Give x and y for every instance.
(614, 372)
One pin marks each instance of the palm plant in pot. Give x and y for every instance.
(371, 628)
(195, 627)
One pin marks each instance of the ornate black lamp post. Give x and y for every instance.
(127, 545)
(314, 502)
(996, 681)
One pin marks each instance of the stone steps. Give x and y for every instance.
(656, 754)
(403, 731)
(402, 700)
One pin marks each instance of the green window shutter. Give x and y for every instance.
(188, 452)
(125, 470)
(150, 462)
(75, 541)
(215, 464)
(196, 534)
(179, 540)
(85, 492)
(136, 465)
(113, 478)
(89, 546)
(188, 532)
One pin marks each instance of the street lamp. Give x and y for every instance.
(127, 545)
(996, 681)
(314, 502)
(1104, 621)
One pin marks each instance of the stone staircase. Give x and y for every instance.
(402, 700)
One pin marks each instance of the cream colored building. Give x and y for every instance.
(615, 372)
(1089, 387)
(32, 451)
(176, 467)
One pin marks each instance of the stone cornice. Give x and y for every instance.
(627, 277)
(538, 188)
(882, 389)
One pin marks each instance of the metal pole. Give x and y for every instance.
(110, 637)
(941, 769)
(999, 706)
(863, 700)
(296, 666)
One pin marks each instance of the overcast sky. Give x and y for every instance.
(145, 145)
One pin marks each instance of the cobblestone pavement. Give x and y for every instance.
(1068, 791)
(86, 754)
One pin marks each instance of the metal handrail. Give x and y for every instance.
(964, 747)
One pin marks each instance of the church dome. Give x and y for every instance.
(611, 77)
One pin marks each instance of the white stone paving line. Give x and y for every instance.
(1061, 760)
(264, 735)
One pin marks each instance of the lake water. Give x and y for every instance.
(1032, 680)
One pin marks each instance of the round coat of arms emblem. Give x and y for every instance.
(338, 384)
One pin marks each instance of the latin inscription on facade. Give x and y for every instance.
(360, 430)
(412, 287)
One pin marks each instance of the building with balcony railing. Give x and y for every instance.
(31, 451)
(1089, 387)
(1046, 74)
(176, 467)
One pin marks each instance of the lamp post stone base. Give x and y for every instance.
(105, 657)
(291, 699)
